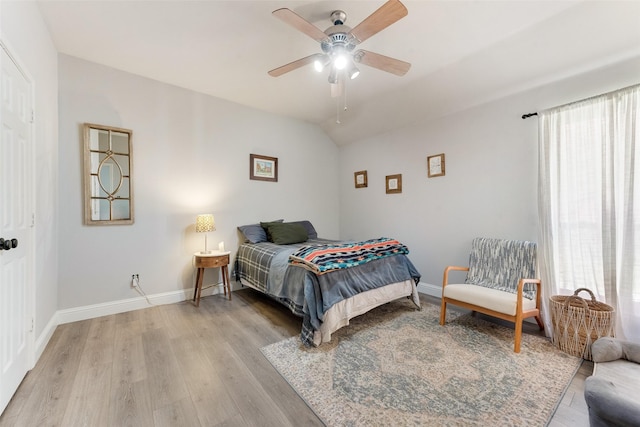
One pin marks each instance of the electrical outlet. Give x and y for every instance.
(134, 280)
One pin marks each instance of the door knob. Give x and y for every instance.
(8, 244)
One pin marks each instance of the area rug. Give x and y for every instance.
(397, 366)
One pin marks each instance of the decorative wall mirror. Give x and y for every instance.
(108, 190)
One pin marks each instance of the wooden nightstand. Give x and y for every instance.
(216, 259)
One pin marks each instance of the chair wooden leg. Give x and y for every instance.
(443, 311)
(540, 324)
(518, 336)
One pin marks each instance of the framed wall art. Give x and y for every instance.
(394, 184)
(263, 168)
(435, 165)
(108, 171)
(360, 179)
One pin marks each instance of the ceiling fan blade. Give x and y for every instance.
(276, 72)
(300, 24)
(381, 62)
(386, 15)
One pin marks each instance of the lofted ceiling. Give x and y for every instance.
(462, 52)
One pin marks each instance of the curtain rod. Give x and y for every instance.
(526, 116)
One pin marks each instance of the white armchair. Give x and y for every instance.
(500, 283)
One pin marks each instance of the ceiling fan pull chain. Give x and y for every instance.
(338, 110)
(345, 95)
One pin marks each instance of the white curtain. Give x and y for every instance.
(589, 204)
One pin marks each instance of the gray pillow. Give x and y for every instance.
(311, 231)
(254, 233)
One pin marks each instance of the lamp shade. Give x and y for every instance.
(205, 223)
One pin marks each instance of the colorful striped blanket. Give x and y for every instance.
(324, 258)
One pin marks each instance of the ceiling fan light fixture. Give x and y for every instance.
(320, 63)
(353, 71)
(341, 61)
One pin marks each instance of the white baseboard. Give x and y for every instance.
(114, 307)
(45, 336)
(430, 289)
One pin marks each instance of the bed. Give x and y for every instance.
(325, 282)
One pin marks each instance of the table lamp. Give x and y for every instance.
(204, 224)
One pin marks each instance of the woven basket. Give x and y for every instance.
(578, 322)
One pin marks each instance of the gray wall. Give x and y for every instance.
(27, 37)
(490, 186)
(190, 156)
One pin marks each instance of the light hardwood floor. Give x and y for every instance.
(179, 365)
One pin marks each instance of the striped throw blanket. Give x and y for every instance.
(322, 259)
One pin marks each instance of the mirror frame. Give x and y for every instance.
(89, 196)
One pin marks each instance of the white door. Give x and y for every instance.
(16, 336)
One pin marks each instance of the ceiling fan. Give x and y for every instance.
(339, 41)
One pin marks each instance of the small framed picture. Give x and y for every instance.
(263, 168)
(435, 165)
(360, 179)
(394, 183)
